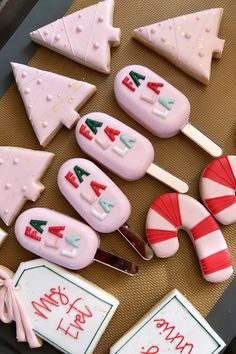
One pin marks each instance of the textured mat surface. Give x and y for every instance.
(213, 112)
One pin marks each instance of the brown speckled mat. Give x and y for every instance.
(213, 112)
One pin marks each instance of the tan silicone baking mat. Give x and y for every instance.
(213, 112)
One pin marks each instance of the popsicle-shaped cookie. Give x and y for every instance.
(99, 201)
(189, 41)
(64, 241)
(157, 105)
(121, 149)
(50, 100)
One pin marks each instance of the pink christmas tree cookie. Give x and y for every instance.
(84, 36)
(50, 100)
(188, 41)
(20, 171)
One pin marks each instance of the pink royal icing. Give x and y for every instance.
(50, 100)
(57, 237)
(171, 212)
(151, 101)
(122, 155)
(187, 41)
(11, 309)
(84, 36)
(20, 171)
(93, 195)
(217, 189)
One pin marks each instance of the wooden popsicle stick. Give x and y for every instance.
(116, 262)
(202, 140)
(167, 178)
(140, 246)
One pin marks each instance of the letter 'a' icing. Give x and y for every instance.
(57, 237)
(158, 106)
(188, 41)
(50, 100)
(84, 36)
(171, 212)
(93, 195)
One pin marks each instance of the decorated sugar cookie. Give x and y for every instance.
(62, 308)
(120, 149)
(171, 212)
(217, 189)
(188, 41)
(20, 172)
(65, 241)
(158, 106)
(173, 326)
(84, 36)
(50, 100)
(99, 201)
(12, 309)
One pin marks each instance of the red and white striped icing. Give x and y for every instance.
(171, 212)
(217, 189)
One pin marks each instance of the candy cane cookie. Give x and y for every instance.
(173, 211)
(217, 189)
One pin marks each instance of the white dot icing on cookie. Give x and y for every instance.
(100, 19)
(163, 39)
(201, 53)
(187, 35)
(96, 45)
(27, 91)
(46, 32)
(1, 161)
(79, 28)
(153, 30)
(49, 97)
(57, 37)
(7, 185)
(79, 15)
(6, 211)
(23, 188)
(15, 161)
(70, 99)
(24, 74)
(45, 124)
(207, 30)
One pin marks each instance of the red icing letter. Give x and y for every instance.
(84, 131)
(55, 230)
(154, 86)
(43, 304)
(127, 82)
(66, 331)
(96, 187)
(111, 133)
(32, 233)
(72, 179)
